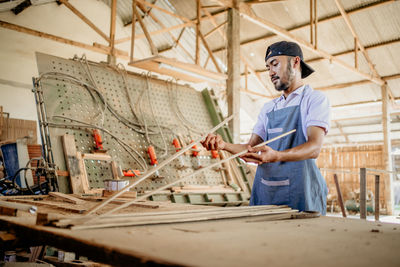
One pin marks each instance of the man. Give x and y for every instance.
(286, 173)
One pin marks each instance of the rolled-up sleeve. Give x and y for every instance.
(318, 112)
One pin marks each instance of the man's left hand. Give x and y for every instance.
(260, 155)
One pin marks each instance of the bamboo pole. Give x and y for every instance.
(145, 196)
(162, 164)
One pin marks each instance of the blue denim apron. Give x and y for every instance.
(298, 184)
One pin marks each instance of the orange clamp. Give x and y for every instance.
(214, 154)
(152, 154)
(194, 153)
(176, 144)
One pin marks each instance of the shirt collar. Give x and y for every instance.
(298, 91)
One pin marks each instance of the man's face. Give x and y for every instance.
(280, 71)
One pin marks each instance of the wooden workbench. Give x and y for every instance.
(324, 241)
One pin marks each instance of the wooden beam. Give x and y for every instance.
(198, 9)
(233, 82)
(176, 68)
(215, 29)
(387, 149)
(166, 11)
(132, 38)
(209, 52)
(317, 59)
(52, 37)
(248, 14)
(362, 82)
(163, 30)
(86, 20)
(172, 36)
(355, 35)
(111, 57)
(267, 37)
(153, 48)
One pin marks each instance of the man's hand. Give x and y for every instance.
(260, 155)
(213, 142)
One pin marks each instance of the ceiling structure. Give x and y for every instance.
(351, 44)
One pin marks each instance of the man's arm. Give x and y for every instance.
(308, 150)
(215, 142)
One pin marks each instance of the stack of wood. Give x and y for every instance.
(2, 174)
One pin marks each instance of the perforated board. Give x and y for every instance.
(65, 98)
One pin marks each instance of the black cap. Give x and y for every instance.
(292, 49)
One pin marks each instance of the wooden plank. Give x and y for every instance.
(67, 198)
(52, 37)
(72, 163)
(114, 169)
(60, 206)
(176, 219)
(96, 156)
(85, 19)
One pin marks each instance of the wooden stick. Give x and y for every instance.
(197, 171)
(75, 220)
(339, 193)
(162, 164)
(376, 197)
(179, 219)
(10, 205)
(67, 198)
(85, 19)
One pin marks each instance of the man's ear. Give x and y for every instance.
(296, 61)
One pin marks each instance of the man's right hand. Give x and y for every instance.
(213, 142)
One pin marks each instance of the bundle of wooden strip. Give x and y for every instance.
(150, 218)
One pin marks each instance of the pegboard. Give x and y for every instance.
(179, 109)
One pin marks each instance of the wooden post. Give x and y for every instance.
(363, 193)
(111, 57)
(133, 30)
(315, 25)
(387, 148)
(233, 82)
(339, 193)
(376, 197)
(311, 23)
(198, 33)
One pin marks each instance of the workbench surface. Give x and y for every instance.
(324, 241)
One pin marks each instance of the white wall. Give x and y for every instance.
(17, 50)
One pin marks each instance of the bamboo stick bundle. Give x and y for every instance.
(145, 196)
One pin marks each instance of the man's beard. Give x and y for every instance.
(283, 86)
